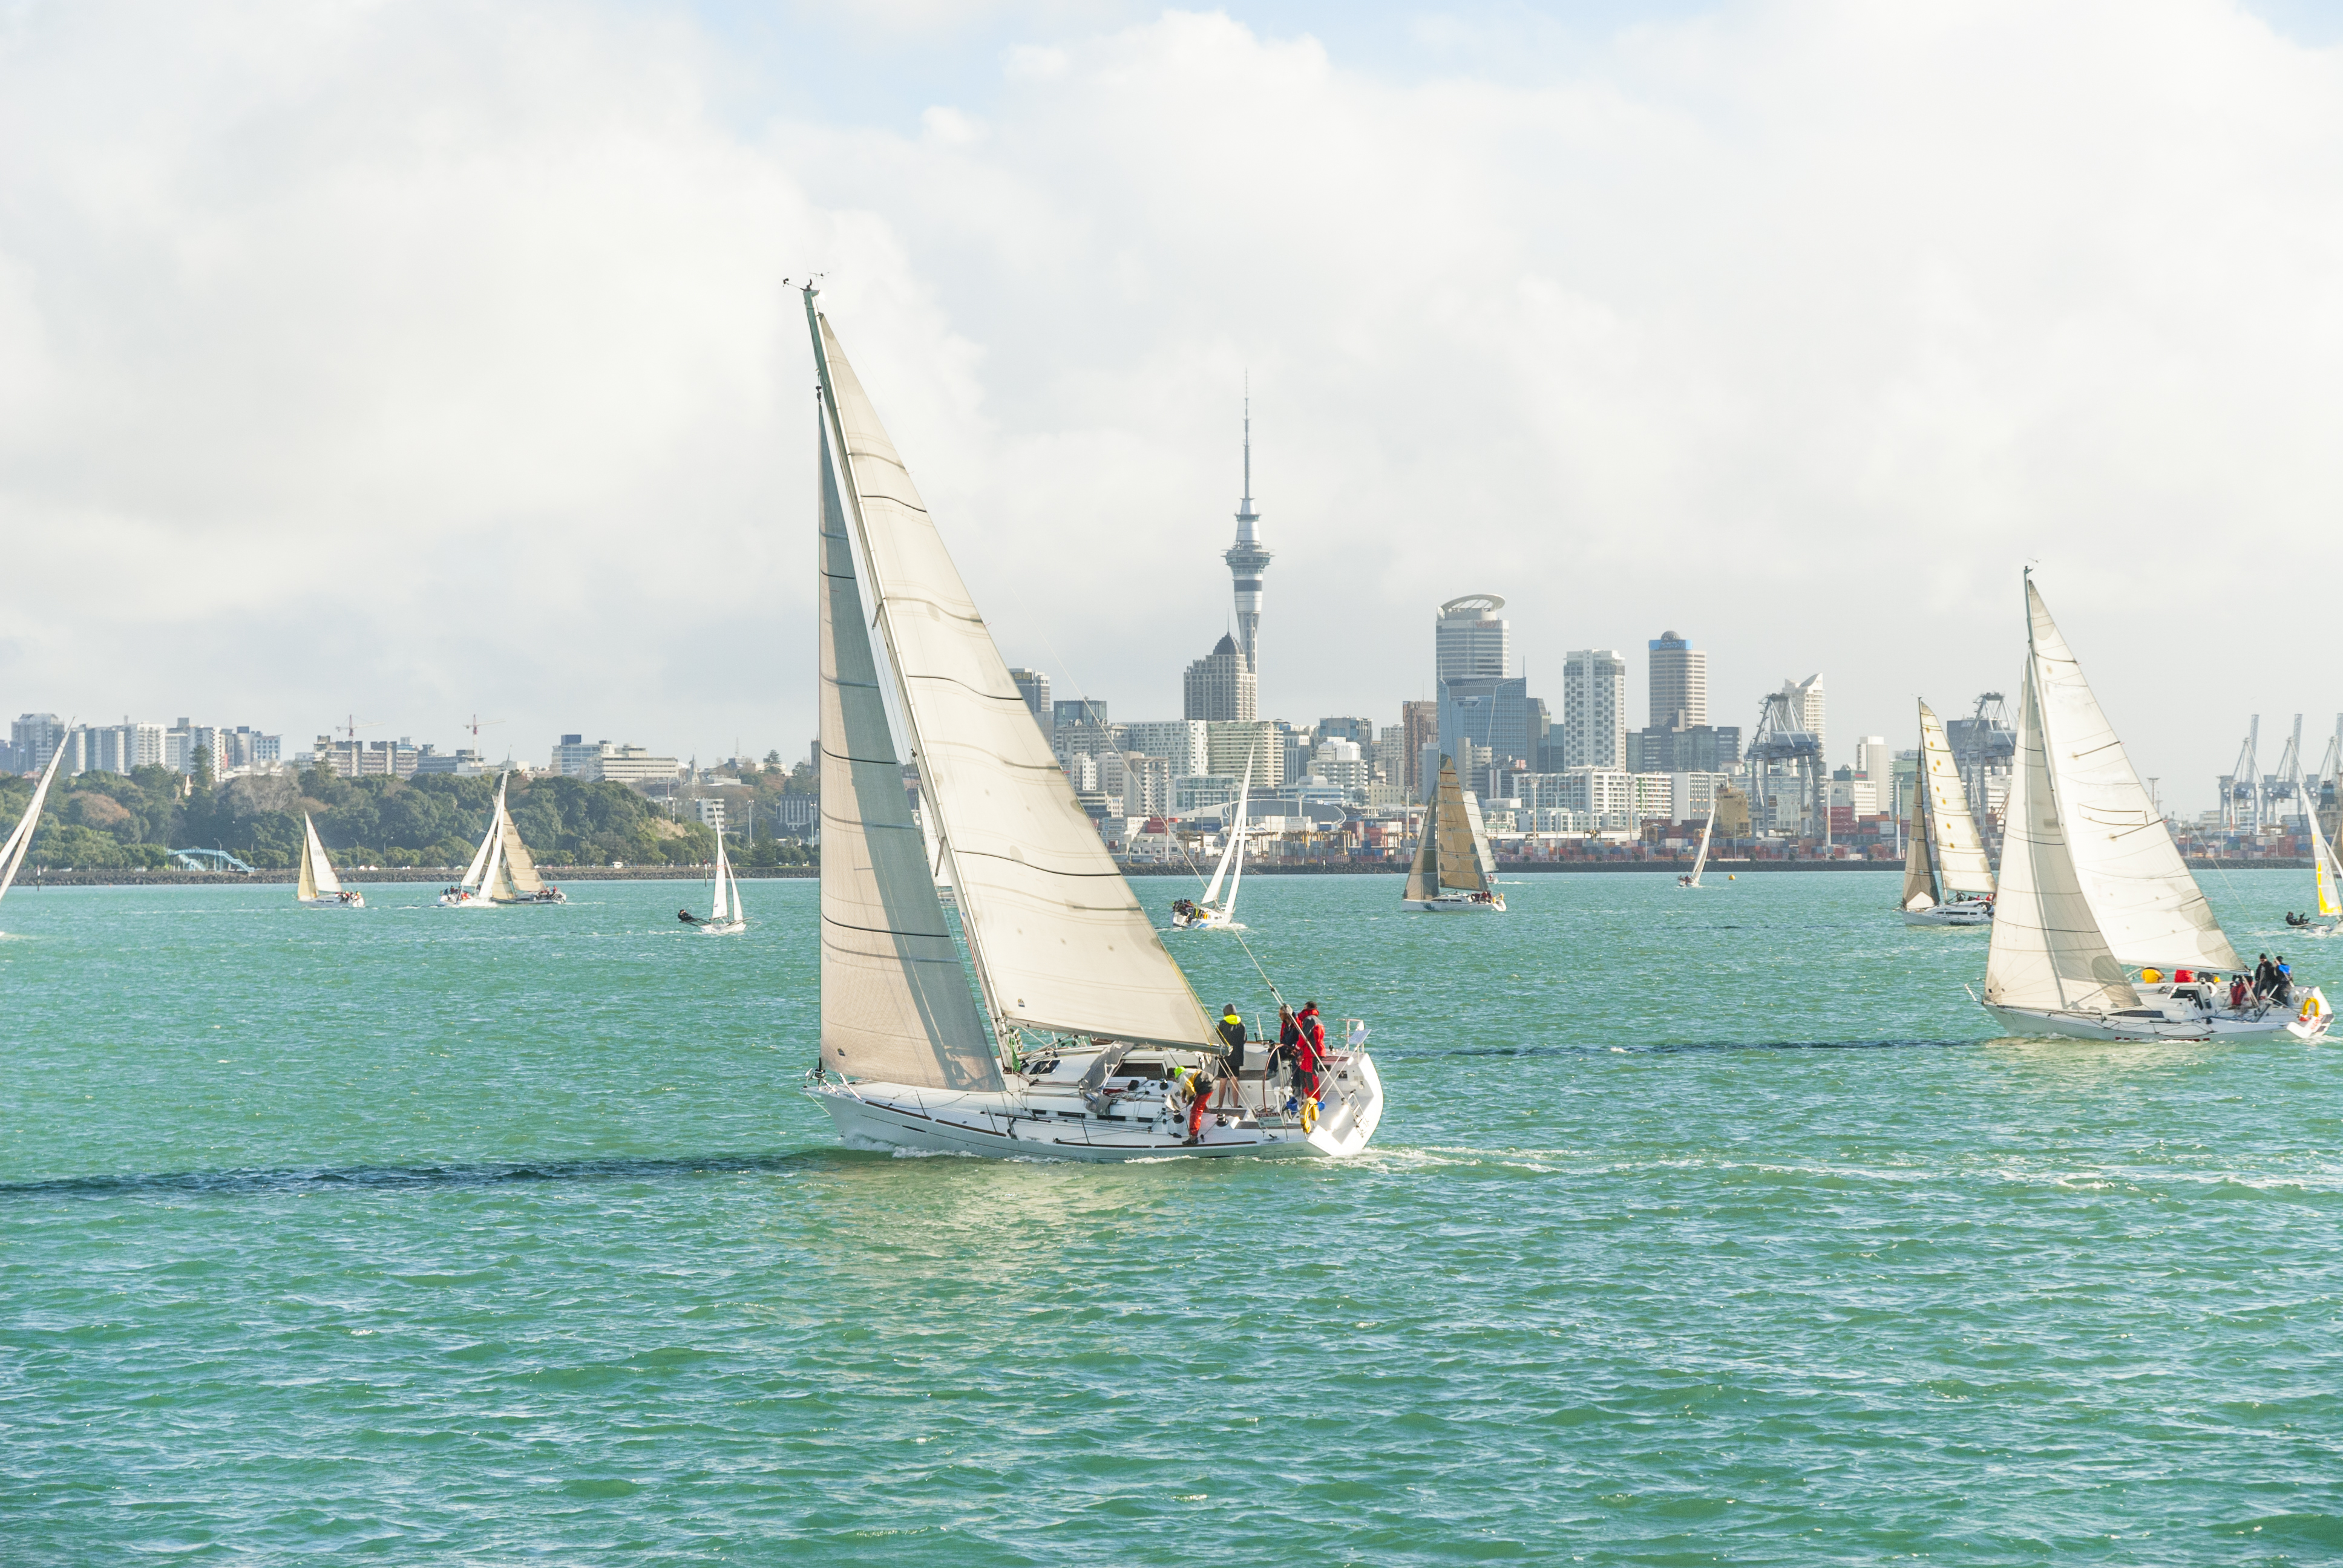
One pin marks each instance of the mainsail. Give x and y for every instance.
(2047, 952)
(1059, 939)
(12, 853)
(895, 1002)
(721, 908)
(2323, 867)
(1446, 856)
(1919, 873)
(1953, 840)
(316, 871)
(475, 873)
(520, 879)
(1700, 862)
(2148, 907)
(1232, 852)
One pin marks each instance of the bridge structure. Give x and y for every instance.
(212, 860)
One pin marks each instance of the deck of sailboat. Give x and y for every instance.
(1049, 1111)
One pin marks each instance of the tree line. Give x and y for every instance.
(134, 820)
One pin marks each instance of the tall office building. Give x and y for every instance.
(1593, 709)
(1247, 560)
(1419, 727)
(1034, 688)
(1679, 683)
(35, 738)
(1469, 642)
(1219, 687)
(1810, 706)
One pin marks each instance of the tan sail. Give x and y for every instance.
(895, 998)
(1460, 857)
(1059, 939)
(1919, 880)
(1954, 846)
(2046, 951)
(2148, 907)
(520, 878)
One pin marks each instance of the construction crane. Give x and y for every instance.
(2286, 784)
(1783, 742)
(2241, 786)
(2322, 785)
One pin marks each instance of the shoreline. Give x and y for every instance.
(442, 875)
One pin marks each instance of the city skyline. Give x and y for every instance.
(1637, 346)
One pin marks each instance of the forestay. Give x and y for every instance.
(1952, 840)
(2148, 907)
(895, 1000)
(1057, 935)
(2046, 951)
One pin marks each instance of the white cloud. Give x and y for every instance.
(419, 358)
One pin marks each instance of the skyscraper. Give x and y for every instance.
(1469, 642)
(1247, 560)
(1034, 688)
(1593, 709)
(1679, 683)
(1219, 687)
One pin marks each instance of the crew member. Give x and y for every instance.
(686, 916)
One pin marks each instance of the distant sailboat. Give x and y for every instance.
(1700, 862)
(2325, 877)
(1947, 881)
(1451, 873)
(1209, 913)
(503, 872)
(318, 887)
(727, 916)
(2102, 933)
(1079, 1039)
(12, 853)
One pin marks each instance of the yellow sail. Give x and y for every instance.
(2322, 861)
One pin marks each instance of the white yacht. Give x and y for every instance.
(1699, 860)
(503, 872)
(2101, 932)
(318, 887)
(1452, 871)
(726, 915)
(1947, 881)
(1212, 913)
(1066, 1031)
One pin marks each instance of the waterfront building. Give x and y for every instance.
(465, 763)
(1469, 642)
(1202, 792)
(1593, 709)
(1068, 711)
(33, 739)
(1679, 683)
(1146, 785)
(1219, 688)
(1361, 730)
(1494, 715)
(1229, 747)
(797, 816)
(1247, 561)
(632, 765)
(1340, 761)
(1179, 741)
(572, 754)
(1703, 749)
(1419, 729)
(708, 810)
(1034, 688)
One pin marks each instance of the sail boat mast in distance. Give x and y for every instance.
(316, 886)
(1066, 1031)
(1450, 875)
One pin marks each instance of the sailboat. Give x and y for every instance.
(503, 872)
(1700, 862)
(319, 887)
(1451, 873)
(1080, 1038)
(2326, 876)
(1209, 913)
(2095, 904)
(727, 916)
(12, 853)
(1947, 881)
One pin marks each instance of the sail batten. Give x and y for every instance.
(1059, 939)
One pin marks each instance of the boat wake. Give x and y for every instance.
(467, 1174)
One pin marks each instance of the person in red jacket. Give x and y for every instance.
(1311, 1055)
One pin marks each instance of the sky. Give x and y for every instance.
(405, 361)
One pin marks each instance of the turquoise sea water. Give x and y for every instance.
(1703, 1228)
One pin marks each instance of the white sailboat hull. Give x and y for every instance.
(2148, 1023)
(465, 900)
(1955, 914)
(722, 928)
(1022, 1124)
(1216, 921)
(1495, 904)
(356, 901)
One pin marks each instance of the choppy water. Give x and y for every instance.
(1703, 1228)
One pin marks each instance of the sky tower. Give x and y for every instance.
(1247, 560)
